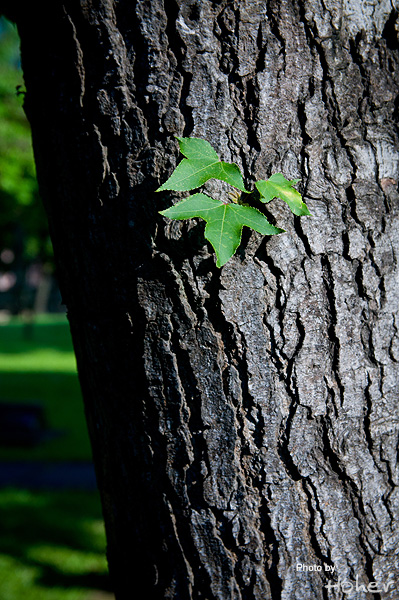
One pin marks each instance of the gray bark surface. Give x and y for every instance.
(243, 420)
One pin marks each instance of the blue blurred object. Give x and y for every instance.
(23, 425)
(48, 475)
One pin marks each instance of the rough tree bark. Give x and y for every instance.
(243, 420)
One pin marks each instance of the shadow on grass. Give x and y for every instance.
(59, 394)
(42, 370)
(59, 533)
(92, 581)
(16, 337)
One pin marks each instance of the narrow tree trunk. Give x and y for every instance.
(244, 421)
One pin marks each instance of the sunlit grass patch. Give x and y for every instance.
(40, 360)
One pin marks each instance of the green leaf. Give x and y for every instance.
(277, 186)
(201, 164)
(224, 222)
(196, 148)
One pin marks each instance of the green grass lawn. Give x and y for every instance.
(51, 546)
(52, 543)
(37, 365)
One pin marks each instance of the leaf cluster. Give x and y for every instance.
(225, 220)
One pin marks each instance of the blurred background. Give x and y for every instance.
(52, 541)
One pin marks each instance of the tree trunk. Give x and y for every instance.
(244, 421)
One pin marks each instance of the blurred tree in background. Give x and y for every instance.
(25, 249)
